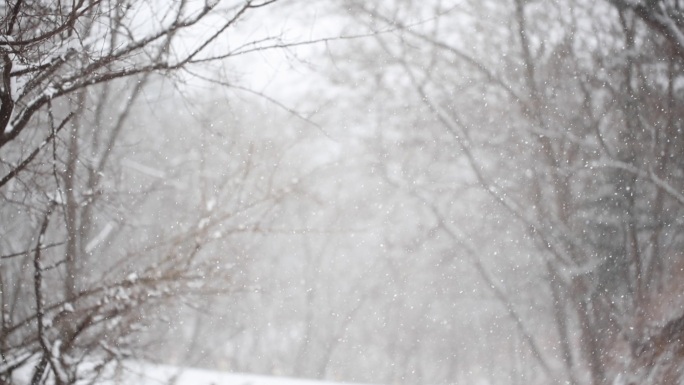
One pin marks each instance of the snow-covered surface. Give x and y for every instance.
(150, 374)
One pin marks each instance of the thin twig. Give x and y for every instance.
(18, 254)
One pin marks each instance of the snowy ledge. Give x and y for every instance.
(151, 374)
(154, 374)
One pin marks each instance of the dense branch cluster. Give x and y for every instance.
(79, 280)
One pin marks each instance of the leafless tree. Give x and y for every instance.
(80, 275)
(565, 113)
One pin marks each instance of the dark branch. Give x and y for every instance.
(35, 152)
